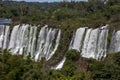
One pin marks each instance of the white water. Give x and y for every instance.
(102, 44)
(94, 44)
(33, 46)
(22, 39)
(28, 51)
(115, 42)
(41, 42)
(1, 35)
(60, 65)
(47, 42)
(6, 37)
(56, 46)
(13, 37)
(76, 43)
(85, 44)
(25, 41)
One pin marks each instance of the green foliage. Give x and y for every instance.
(13, 67)
(69, 69)
(106, 70)
(73, 55)
(34, 74)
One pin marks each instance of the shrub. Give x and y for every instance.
(72, 55)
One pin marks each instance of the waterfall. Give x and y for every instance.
(85, 44)
(2, 27)
(94, 44)
(41, 42)
(59, 65)
(56, 46)
(13, 37)
(23, 40)
(33, 46)
(30, 39)
(102, 43)
(46, 42)
(6, 37)
(76, 42)
(115, 42)
(20, 40)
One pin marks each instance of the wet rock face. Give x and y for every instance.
(24, 40)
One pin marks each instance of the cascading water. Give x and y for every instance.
(76, 42)
(60, 65)
(94, 43)
(41, 42)
(102, 43)
(33, 46)
(31, 38)
(24, 41)
(1, 35)
(86, 41)
(115, 42)
(46, 42)
(13, 37)
(6, 37)
(56, 46)
(20, 41)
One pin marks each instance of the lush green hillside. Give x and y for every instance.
(67, 16)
